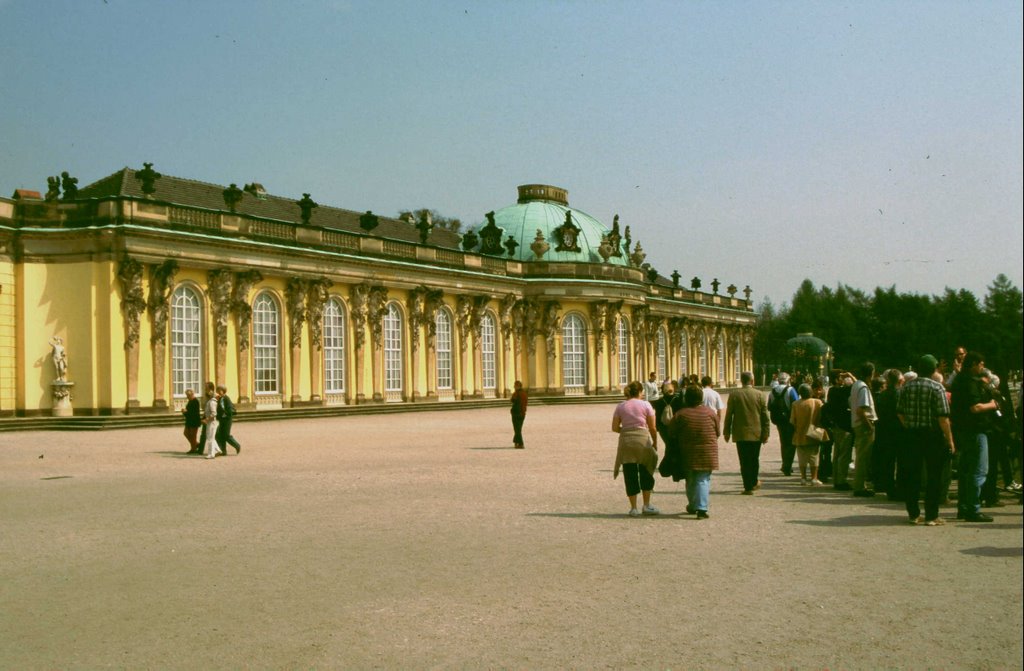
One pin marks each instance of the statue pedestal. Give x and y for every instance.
(62, 398)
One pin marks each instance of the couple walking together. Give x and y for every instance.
(690, 431)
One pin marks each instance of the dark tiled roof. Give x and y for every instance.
(211, 196)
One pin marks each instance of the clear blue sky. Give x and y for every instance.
(868, 143)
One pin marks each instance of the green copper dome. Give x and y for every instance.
(544, 208)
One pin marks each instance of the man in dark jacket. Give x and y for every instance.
(225, 415)
(972, 409)
(193, 420)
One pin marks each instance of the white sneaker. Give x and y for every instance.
(651, 510)
(633, 512)
(816, 482)
(804, 482)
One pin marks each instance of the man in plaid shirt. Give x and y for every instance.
(923, 408)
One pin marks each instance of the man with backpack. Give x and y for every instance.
(780, 399)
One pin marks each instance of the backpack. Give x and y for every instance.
(667, 413)
(778, 405)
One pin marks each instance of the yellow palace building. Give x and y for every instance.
(118, 296)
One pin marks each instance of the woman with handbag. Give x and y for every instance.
(805, 416)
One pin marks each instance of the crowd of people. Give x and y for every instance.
(906, 435)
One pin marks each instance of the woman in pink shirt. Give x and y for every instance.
(637, 455)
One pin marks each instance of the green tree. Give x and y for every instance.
(1003, 338)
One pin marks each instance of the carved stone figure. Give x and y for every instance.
(747, 291)
(675, 278)
(219, 289)
(425, 226)
(599, 315)
(70, 185)
(368, 221)
(376, 306)
(629, 240)
(731, 289)
(511, 245)
(132, 301)
(60, 359)
(695, 283)
(161, 281)
(295, 298)
(490, 236)
(232, 196)
(605, 250)
(359, 297)
(505, 317)
(306, 206)
(714, 285)
(548, 325)
(615, 238)
(567, 235)
(469, 240)
(52, 188)
(240, 306)
(148, 177)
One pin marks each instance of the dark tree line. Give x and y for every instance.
(894, 329)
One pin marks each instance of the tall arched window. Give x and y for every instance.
(702, 355)
(488, 359)
(684, 354)
(574, 354)
(721, 360)
(266, 341)
(443, 349)
(186, 342)
(622, 334)
(393, 353)
(662, 358)
(738, 362)
(334, 347)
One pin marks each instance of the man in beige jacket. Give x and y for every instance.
(746, 421)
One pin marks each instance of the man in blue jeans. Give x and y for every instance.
(972, 409)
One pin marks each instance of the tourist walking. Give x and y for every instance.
(193, 415)
(863, 418)
(695, 432)
(746, 422)
(210, 448)
(923, 410)
(519, 402)
(780, 400)
(225, 418)
(637, 454)
(804, 415)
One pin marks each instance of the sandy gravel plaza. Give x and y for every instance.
(423, 540)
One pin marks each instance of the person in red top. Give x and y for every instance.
(519, 401)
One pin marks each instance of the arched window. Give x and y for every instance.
(488, 358)
(702, 355)
(334, 347)
(266, 341)
(574, 354)
(186, 342)
(662, 358)
(721, 361)
(738, 365)
(622, 334)
(684, 354)
(393, 353)
(443, 349)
